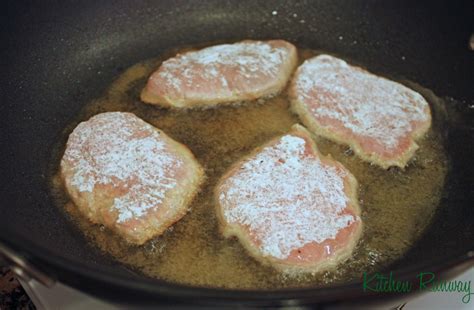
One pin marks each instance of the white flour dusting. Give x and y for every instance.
(121, 150)
(287, 199)
(368, 105)
(221, 64)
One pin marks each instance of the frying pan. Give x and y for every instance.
(57, 56)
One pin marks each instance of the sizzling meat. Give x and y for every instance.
(221, 74)
(380, 119)
(128, 175)
(290, 206)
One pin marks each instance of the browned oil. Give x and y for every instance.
(397, 205)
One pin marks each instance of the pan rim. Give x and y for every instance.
(44, 257)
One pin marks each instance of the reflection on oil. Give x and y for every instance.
(396, 205)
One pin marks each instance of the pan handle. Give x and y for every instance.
(22, 268)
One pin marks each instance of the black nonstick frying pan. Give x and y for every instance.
(58, 55)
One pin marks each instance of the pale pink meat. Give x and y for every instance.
(221, 74)
(380, 119)
(124, 173)
(290, 206)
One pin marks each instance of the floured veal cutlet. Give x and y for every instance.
(378, 118)
(290, 206)
(224, 73)
(128, 175)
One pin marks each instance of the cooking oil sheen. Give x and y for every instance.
(397, 205)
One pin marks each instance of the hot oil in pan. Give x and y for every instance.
(396, 205)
